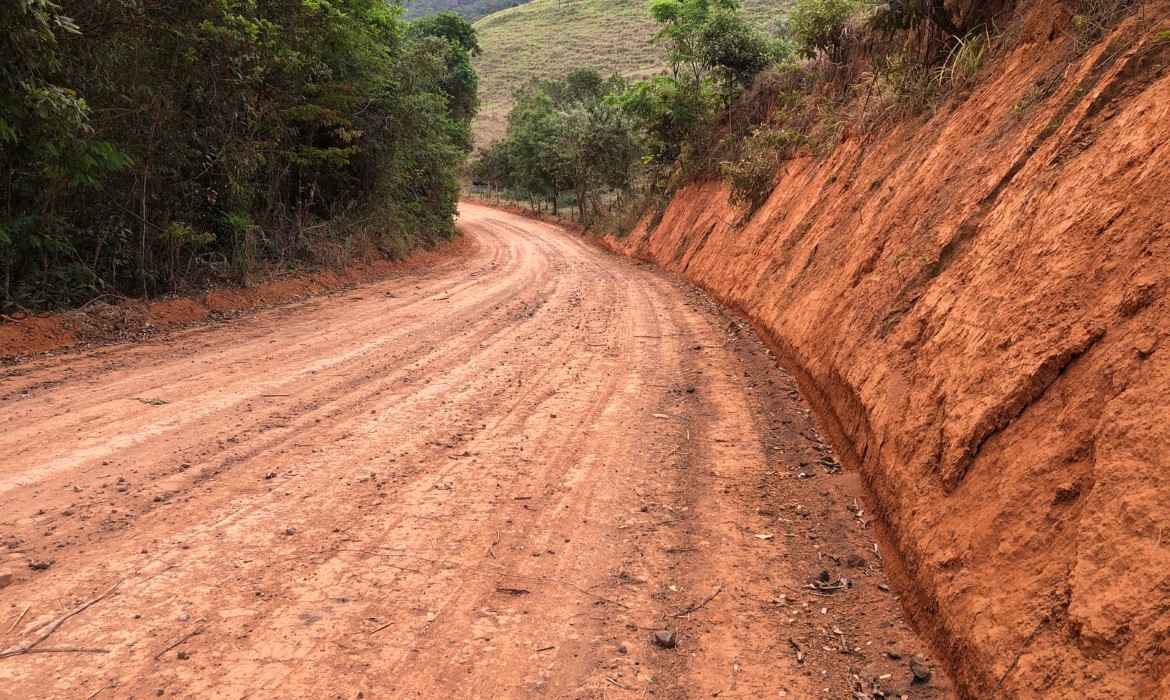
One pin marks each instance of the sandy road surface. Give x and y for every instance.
(490, 479)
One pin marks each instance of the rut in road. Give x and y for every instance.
(495, 478)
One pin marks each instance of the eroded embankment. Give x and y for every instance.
(977, 305)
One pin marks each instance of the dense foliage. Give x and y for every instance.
(564, 137)
(152, 143)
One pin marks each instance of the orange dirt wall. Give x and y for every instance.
(977, 305)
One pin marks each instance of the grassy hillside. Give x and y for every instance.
(552, 37)
(469, 10)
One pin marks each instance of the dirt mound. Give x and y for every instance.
(976, 304)
(133, 319)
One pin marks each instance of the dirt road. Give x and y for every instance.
(496, 478)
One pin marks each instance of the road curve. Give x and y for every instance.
(493, 478)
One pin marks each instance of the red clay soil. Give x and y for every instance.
(976, 306)
(129, 319)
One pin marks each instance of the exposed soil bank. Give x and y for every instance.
(136, 318)
(976, 305)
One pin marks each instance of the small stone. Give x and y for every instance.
(290, 531)
(5, 578)
(623, 649)
(855, 561)
(123, 488)
(270, 475)
(893, 655)
(665, 639)
(184, 617)
(1067, 492)
(690, 389)
(183, 656)
(920, 669)
(39, 565)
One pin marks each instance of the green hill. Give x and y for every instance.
(469, 10)
(551, 37)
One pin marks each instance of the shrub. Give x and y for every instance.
(752, 177)
(819, 25)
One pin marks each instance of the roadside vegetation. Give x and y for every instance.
(151, 146)
(551, 38)
(737, 102)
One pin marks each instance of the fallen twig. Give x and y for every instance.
(18, 619)
(695, 606)
(546, 648)
(187, 636)
(67, 650)
(29, 648)
(380, 628)
(1011, 667)
(623, 687)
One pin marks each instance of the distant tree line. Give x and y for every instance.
(146, 145)
(597, 138)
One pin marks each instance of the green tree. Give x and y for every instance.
(682, 23)
(731, 49)
(670, 111)
(819, 25)
(47, 150)
(459, 82)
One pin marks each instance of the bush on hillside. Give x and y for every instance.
(819, 25)
(752, 176)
